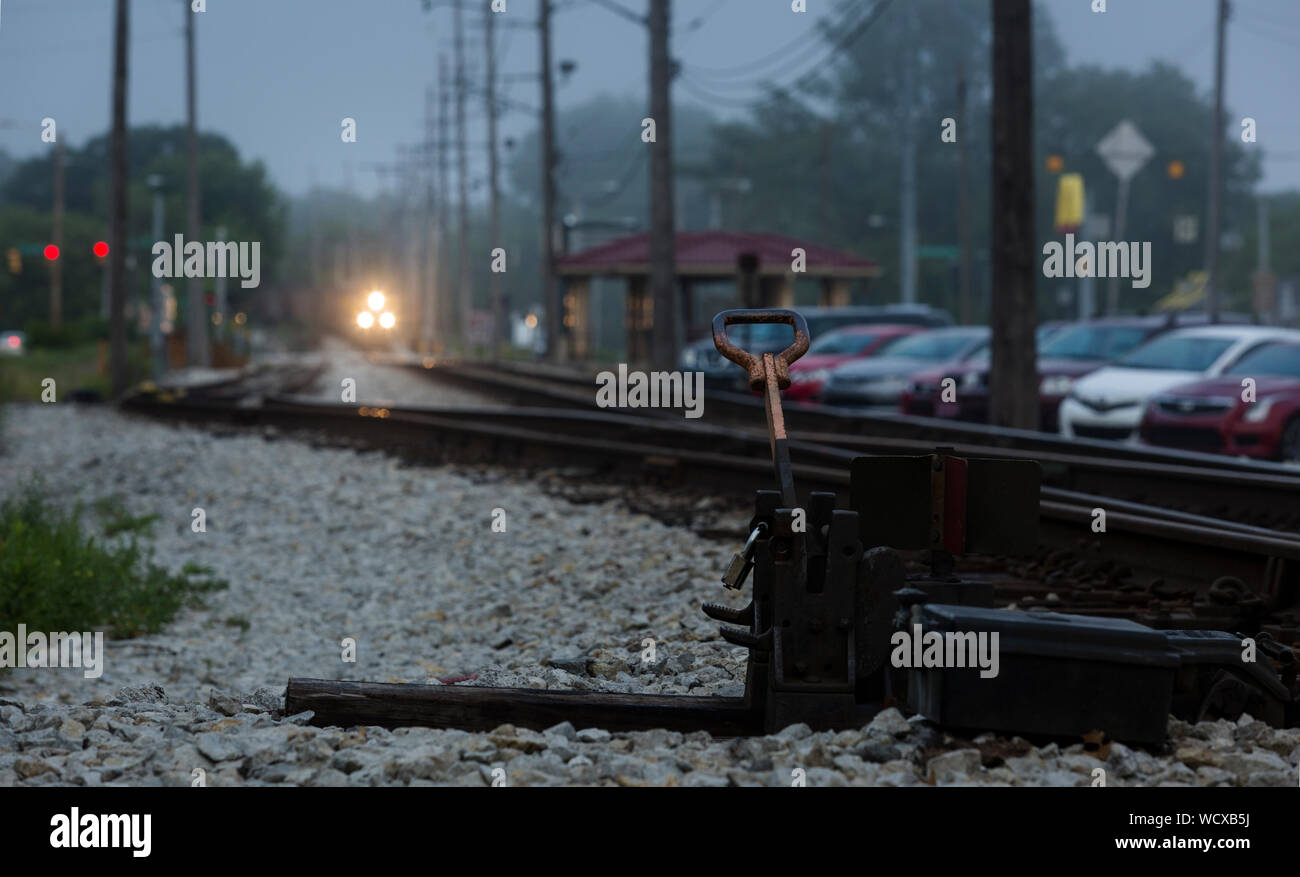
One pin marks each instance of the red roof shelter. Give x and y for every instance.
(764, 267)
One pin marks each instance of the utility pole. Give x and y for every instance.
(56, 267)
(494, 193)
(157, 344)
(117, 255)
(222, 306)
(353, 260)
(462, 182)
(907, 176)
(429, 280)
(963, 196)
(550, 293)
(1216, 174)
(667, 329)
(196, 345)
(1013, 375)
(444, 219)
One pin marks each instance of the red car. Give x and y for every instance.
(1213, 416)
(852, 342)
(1066, 352)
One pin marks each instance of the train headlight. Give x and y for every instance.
(387, 320)
(375, 300)
(365, 319)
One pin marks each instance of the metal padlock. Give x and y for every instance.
(742, 563)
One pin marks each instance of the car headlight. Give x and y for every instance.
(1258, 411)
(1056, 385)
(818, 376)
(690, 358)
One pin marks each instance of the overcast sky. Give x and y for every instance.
(277, 76)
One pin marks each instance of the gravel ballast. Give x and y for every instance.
(321, 545)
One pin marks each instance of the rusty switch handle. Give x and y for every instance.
(748, 361)
(770, 374)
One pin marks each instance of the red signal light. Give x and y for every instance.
(101, 249)
(51, 252)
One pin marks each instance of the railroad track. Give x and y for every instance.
(1163, 566)
(1244, 491)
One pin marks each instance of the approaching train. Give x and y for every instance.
(375, 323)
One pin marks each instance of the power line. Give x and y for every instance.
(766, 61)
(621, 11)
(841, 44)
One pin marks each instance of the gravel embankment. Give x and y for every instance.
(322, 544)
(380, 383)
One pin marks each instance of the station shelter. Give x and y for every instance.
(763, 267)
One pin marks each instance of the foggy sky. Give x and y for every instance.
(276, 77)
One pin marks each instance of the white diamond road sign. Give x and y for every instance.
(1125, 150)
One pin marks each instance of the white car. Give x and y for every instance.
(1109, 402)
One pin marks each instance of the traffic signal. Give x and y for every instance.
(15, 261)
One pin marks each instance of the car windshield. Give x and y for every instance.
(843, 342)
(761, 333)
(1271, 359)
(1191, 353)
(931, 345)
(1093, 342)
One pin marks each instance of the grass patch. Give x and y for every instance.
(55, 577)
(71, 367)
(115, 519)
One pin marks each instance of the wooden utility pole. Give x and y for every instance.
(501, 333)
(907, 172)
(445, 299)
(666, 333)
(429, 318)
(1013, 375)
(196, 342)
(56, 267)
(1216, 174)
(963, 196)
(462, 184)
(551, 301)
(117, 254)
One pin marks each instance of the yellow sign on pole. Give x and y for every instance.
(1069, 203)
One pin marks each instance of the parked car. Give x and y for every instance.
(13, 343)
(924, 393)
(721, 373)
(881, 380)
(1109, 403)
(836, 348)
(1214, 416)
(1066, 352)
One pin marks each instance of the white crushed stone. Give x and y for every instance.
(322, 544)
(377, 383)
